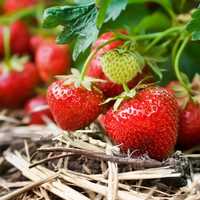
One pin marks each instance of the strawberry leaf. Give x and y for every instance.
(150, 23)
(104, 4)
(194, 25)
(78, 22)
(115, 8)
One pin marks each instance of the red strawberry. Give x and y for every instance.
(189, 122)
(17, 86)
(20, 37)
(52, 59)
(104, 38)
(37, 40)
(73, 107)
(10, 6)
(189, 130)
(95, 70)
(146, 123)
(37, 109)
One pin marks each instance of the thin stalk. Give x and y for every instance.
(162, 35)
(6, 45)
(175, 48)
(138, 37)
(166, 8)
(92, 54)
(150, 35)
(177, 60)
(8, 19)
(125, 87)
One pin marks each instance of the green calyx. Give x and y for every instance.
(74, 77)
(121, 65)
(128, 94)
(15, 63)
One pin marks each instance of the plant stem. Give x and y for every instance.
(174, 49)
(6, 45)
(163, 34)
(157, 36)
(176, 63)
(125, 87)
(8, 19)
(166, 8)
(138, 37)
(92, 54)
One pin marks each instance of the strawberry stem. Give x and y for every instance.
(125, 87)
(10, 18)
(176, 63)
(150, 36)
(6, 44)
(92, 54)
(162, 35)
(175, 48)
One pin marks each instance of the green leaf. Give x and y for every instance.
(110, 9)
(166, 4)
(155, 69)
(194, 25)
(104, 4)
(79, 24)
(150, 22)
(115, 8)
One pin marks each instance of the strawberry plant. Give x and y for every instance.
(121, 61)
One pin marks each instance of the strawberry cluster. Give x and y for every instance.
(29, 60)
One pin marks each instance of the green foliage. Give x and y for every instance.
(150, 23)
(104, 4)
(82, 20)
(79, 23)
(115, 8)
(194, 25)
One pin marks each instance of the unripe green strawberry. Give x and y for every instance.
(121, 66)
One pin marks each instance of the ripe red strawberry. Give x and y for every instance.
(189, 117)
(10, 6)
(73, 107)
(52, 59)
(104, 38)
(146, 123)
(189, 130)
(95, 68)
(37, 109)
(19, 38)
(17, 86)
(37, 40)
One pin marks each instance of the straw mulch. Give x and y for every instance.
(44, 162)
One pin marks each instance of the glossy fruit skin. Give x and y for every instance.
(109, 88)
(37, 117)
(73, 107)
(16, 87)
(20, 36)
(189, 131)
(189, 121)
(147, 123)
(52, 59)
(104, 38)
(10, 6)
